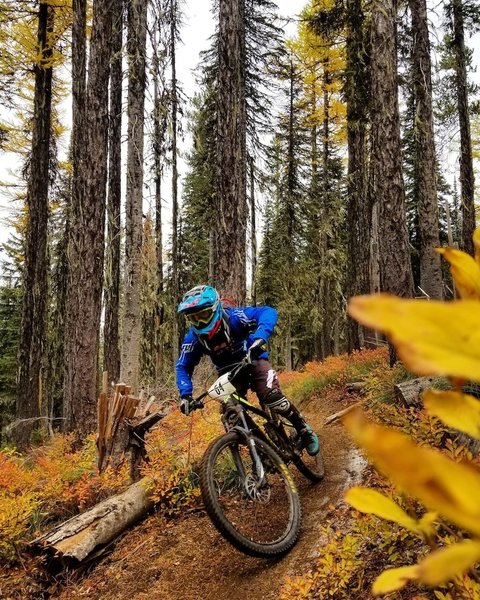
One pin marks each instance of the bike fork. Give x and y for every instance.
(244, 431)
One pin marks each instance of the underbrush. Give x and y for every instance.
(53, 482)
(321, 377)
(355, 548)
(56, 481)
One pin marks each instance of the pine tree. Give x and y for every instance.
(87, 238)
(456, 10)
(136, 49)
(359, 212)
(231, 213)
(33, 328)
(425, 158)
(387, 184)
(111, 358)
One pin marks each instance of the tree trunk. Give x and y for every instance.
(386, 168)
(359, 215)
(111, 360)
(35, 286)
(136, 46)
(253, 233)
(158, 144)
(467, 178)
(175, 282)
(230, 231)
(425, 159)
(86, 244)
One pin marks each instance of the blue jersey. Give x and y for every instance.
(245, 325)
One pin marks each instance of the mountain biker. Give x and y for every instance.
(226, 334)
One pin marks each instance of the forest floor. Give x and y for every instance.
(186, 558)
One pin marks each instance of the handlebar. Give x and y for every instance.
(198, 403)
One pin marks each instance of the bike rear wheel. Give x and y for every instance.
(260, 518)
(312, 467)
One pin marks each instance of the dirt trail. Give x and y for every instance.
(189, 560)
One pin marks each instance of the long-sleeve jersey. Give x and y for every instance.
(246, 324)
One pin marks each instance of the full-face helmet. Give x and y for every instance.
(203, 309)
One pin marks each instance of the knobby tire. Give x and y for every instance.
(232, 511)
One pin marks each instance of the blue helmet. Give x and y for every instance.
(203, 309)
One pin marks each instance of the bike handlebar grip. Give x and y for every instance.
(196, 404)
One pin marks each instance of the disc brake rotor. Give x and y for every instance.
(255, 491)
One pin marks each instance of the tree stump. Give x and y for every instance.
(123, 421)
(409, 391)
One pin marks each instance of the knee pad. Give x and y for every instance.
(277, 402)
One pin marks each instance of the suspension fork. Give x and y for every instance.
(246, 434)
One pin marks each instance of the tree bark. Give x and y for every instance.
(111, 361)
(359, 215)
(86, 244)
(425, 159)
(467, 178)
(35, 286)
(136, 47)
(77, 539)
(230, 231)
(386, 168)
(253, 233)
(174, 91)
(159, 125)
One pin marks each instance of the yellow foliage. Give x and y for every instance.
(450, 488)
(372, 502)
(465, 271)
(445, 564)
(457, 410)
(394, 579)
(16, 511)
(432, 338)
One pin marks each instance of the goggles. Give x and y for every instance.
(202, 317)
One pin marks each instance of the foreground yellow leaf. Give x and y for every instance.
(370, 501)
(393, 579)
(445, 564)
(432, 338)
(465, 272)
(455, 409)
(441, 484)
(476, 243)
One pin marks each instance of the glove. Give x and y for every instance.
(257, 348)
(184, 404)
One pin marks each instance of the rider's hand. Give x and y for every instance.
(184, 404)
(257, 348)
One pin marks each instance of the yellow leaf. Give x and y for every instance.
(373, 502)
(432, 338)
(455, 409)
(426, 523)
(476, 243)
(445, 564)
(441, 484)
(465, 272)
(393, 579)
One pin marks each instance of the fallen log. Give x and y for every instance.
(86, 535)
(340, 413)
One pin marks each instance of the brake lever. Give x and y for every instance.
(196, 405)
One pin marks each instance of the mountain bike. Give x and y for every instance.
(248, 491)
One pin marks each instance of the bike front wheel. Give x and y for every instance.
(258, 513)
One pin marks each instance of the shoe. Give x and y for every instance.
(310, 440)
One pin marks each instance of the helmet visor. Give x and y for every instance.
(201, 317)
